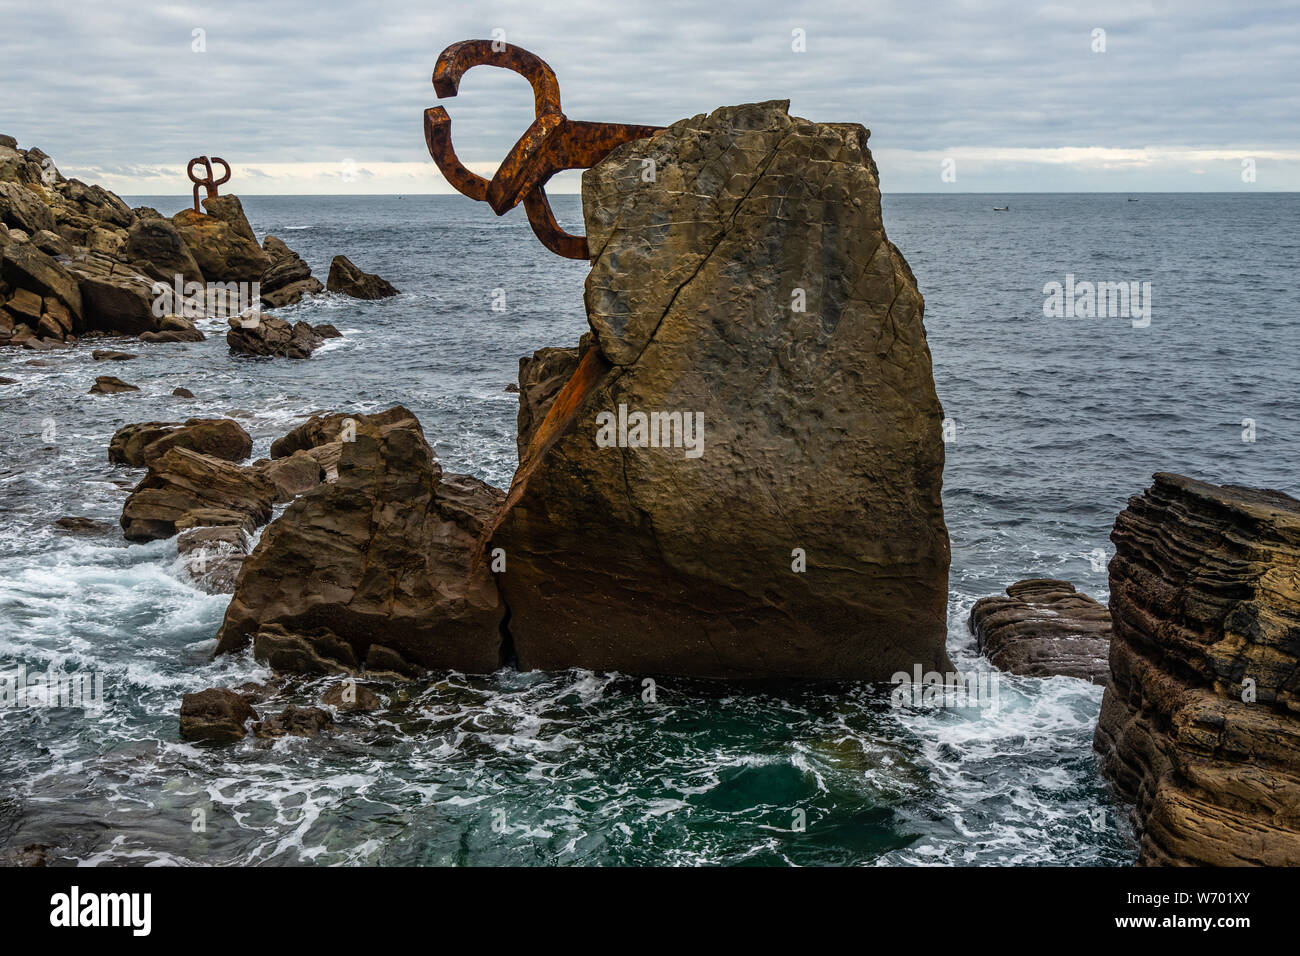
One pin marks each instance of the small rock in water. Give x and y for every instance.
(218, 715)
(182, 393)
(351, 696)
(109, 355)
(346, 278)
(72, 524)
(109, 385)
(8, 381)
(1043, 627)
(295, 722)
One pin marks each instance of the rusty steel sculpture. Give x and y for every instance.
(551, 144)
(207, 182)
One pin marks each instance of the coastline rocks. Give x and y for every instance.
(25, 269)
(797, 531)
(347, 279)
(295, 722)
(350, 696)
(21, 208)
(184, 489)
(292, 476)
(1043, 627)
(173, 328)
(288, 279)
(267, 336)
(73, 524)
(540, 379)
(1200, 722)
(141, 443)
(217, 715)
(374, 569)
(109, 355)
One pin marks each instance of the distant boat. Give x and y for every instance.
(1132, 200)
(1001, 208)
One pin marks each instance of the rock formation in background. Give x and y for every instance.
(289, 277)
(372, 569)
(1044, 628)
(267, 336)
(1200, 723)
(347, 279)
(749, 287)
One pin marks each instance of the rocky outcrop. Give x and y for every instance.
(347, 279)
(115, 297)
(224, 250)
(1200, 722)
(796, 530)
(295, 722)
(184, 489)
(288, 279)
(173, 328)
(267, 336)
(156, 248)
(216, 715)
(374, 569)
(142, 443)
(212, 557)
(111, 385)
(1044, 628)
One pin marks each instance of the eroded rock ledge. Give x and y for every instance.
(1043, 627)
(1200, 723)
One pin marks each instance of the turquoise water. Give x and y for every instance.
(1056, 422)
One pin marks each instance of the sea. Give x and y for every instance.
(1052, 422)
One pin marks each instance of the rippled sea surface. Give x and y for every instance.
(1054, 423)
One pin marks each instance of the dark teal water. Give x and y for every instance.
(1055, 422)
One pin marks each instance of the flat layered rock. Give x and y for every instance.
(1043, 627)
(184, 489)
(141, 443)
(1200, 722)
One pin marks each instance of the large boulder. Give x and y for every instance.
(23, 266)
(156, 247)
(1200, 722)
(115, 297)
(796, 529)
(346, 278)
(1043, 627)
(184, 489)
(222, 251)
(95, 203)
(373, 570)
(217, 715)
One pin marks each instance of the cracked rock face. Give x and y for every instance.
(1200, 723)
(749, 287)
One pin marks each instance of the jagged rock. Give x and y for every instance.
(8, 142)
(155, 245)
(213, 556)
(142, 443)
(540, 379)
(753, 289)
(180, 392)
(217, 715)
(324, 429)
(114, 297)
(295, 722)
(110, 385)
(1044, 628)
(292, 476)
(221, 251)
(173, 328)
(288, 279)
(186, 489)
(347, 279)
(230, 210)
(110, 355)
(266, 335)
(96, 203)
(21, 208)
(375, 568)
(1200, 722)
(327, 331)
(350, 696)
(106, 241)
(51, 243)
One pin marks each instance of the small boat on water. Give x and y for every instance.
(1001, 208)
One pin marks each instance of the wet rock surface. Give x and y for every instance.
(1200, 722)
(346, 278)
(217, 715)
(268, 336)
(1043, 627)
(185, 489)
(141, 443)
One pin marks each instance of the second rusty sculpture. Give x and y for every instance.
(207, 182)
(551, 144)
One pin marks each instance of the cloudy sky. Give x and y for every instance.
(327, 97)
